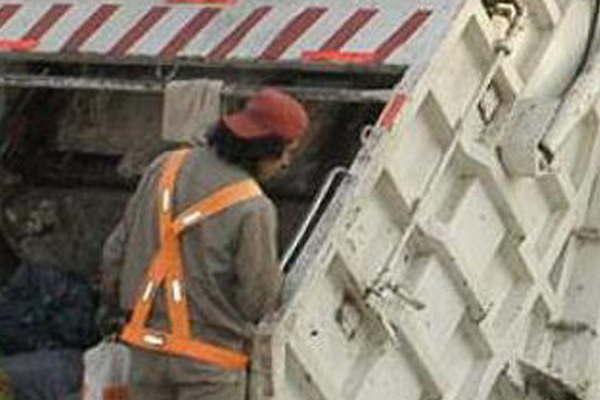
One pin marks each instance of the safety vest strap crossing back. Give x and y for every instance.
(167, 270)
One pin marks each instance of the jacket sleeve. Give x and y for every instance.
(113, 255)
(256, 266)
(113, 252)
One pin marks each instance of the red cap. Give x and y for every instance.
(269, 112)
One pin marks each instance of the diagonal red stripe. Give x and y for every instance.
(205, 2)
(7, 11)
(89, 27)
(349, 29)
(292, 32)
(138, 31)
(47, 21)
(392, 110)
(222, 50)
(189, 32)
(402, 34)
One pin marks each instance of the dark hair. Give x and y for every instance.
(243, 152)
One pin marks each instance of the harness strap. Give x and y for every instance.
(194, 349)
(167, 187)
(219, 201)
(167, 269)
(159, 267)
(171, 170)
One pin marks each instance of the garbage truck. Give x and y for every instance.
(440, 235)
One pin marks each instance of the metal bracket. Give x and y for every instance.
(371, 133)
(513, 11)
(519, 148)
(58, 82)
(538, 128)
(545, 384)
(312, 213)
(576, 104)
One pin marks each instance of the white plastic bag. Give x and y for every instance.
(107, 371)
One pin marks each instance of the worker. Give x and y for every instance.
(194, 259)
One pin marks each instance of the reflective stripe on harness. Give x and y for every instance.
(167, 270)
(195, 349)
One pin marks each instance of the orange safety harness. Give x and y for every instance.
(167, 269)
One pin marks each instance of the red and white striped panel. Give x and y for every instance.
(268, 30)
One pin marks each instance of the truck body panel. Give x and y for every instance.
(427, 269)
(261, 31)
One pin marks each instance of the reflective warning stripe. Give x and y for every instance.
(47, 21)
(89, 27)
(271, 32)
(350, 28)
(166, 201)
(193, 218)
(138, 30)
(392, 111)
(188, 32)
(228, 44)
(402, 35)
(292, 32)
(7, 12)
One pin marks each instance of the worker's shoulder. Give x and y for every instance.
(259, 204)
(160, 159)
(209, 174)
(157, 163)
(264, 203)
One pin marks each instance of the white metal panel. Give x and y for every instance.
(464, 265)
(150, 38)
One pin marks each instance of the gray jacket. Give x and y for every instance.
(230, 259)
